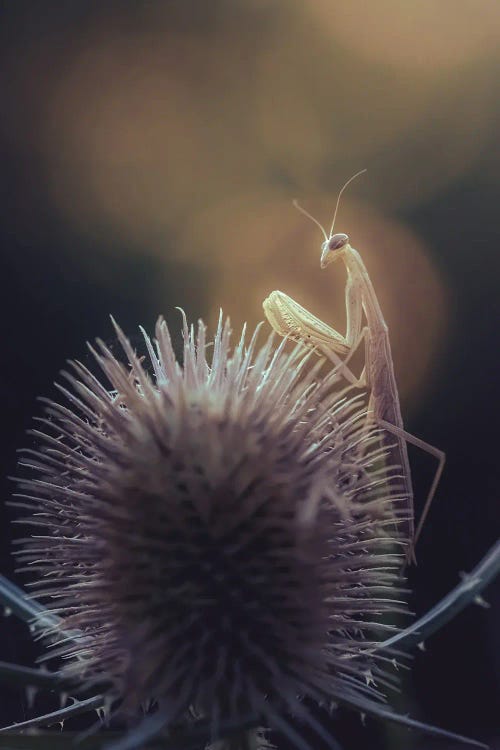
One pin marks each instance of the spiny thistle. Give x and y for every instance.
(218, 533)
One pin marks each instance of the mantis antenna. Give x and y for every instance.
(306, 213)
(361, 171)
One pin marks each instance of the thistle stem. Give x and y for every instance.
(15, 674)
(467, 592)
(30, 611)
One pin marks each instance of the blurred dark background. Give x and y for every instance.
(150, 152)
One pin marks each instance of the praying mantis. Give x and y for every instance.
(288, 318)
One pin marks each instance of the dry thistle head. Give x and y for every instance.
(218, 531)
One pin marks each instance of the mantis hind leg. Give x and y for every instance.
(441, 458)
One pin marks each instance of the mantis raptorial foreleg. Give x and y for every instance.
(290, 319)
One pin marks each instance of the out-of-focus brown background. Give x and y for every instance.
(150, 153)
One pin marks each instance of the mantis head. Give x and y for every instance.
(335, 245)
(333, 248)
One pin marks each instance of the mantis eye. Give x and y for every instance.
(337, 241)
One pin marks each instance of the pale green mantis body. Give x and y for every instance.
(288, 318)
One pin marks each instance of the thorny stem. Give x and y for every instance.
(467, 592)
(14, 598)
(55, 717)
(15, 674)
(18, 602)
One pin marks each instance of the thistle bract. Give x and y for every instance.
(217, 533)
